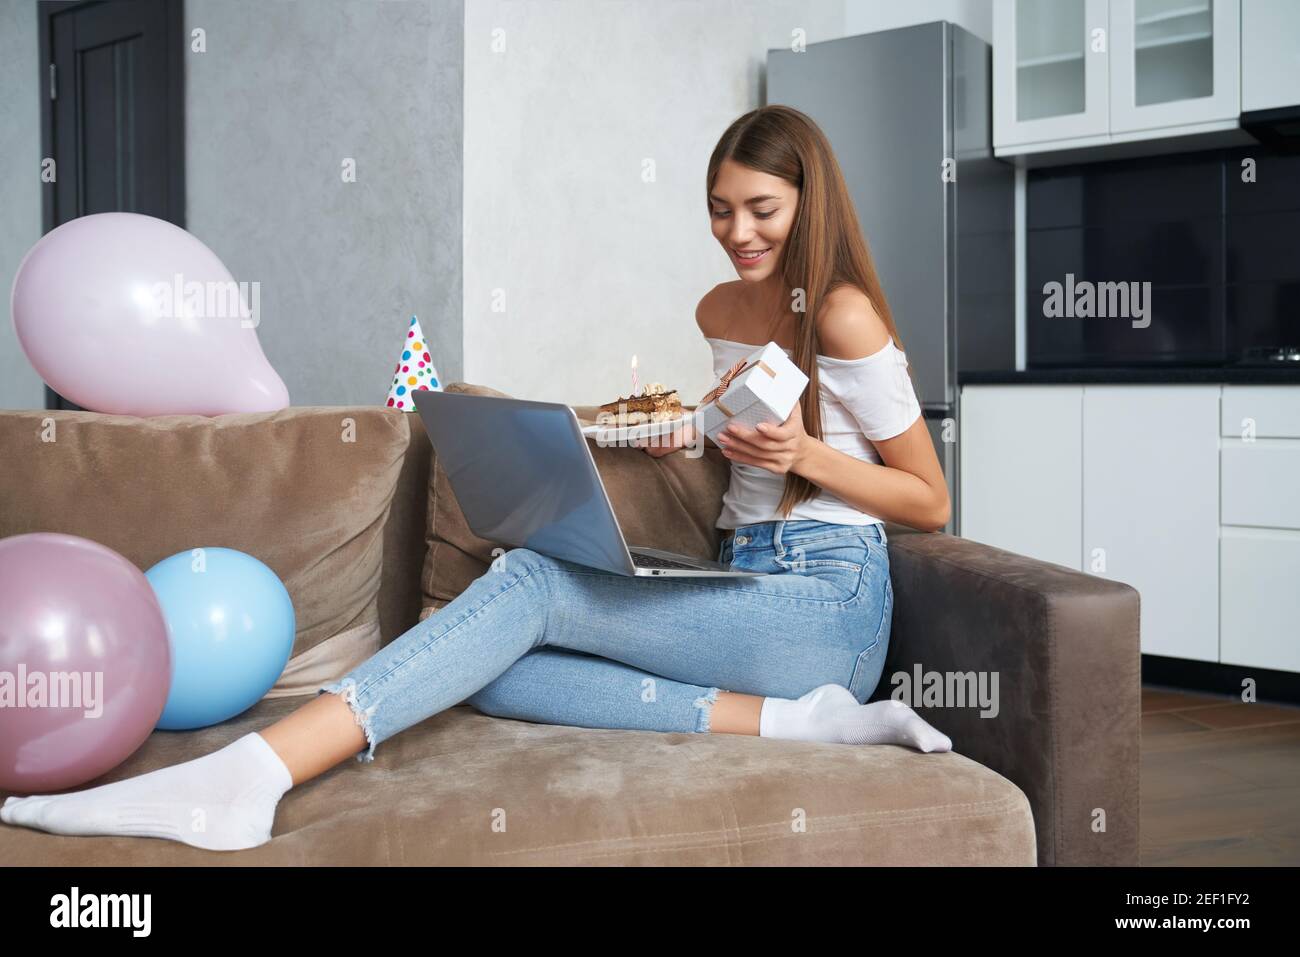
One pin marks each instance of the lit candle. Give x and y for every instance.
(634, 375)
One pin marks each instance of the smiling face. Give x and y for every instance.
(752, 213)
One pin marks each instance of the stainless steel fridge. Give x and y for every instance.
(909, 115)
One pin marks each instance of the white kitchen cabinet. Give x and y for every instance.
(1049, 82)
(1021, 449)
(1116, 481)
(1174, 63)
(1073, 75)
(1261, 483)
(1189, 493)
(1260, 599)
(1263, 411)
(1270, 54)
(1259, 551)
(1151, 507)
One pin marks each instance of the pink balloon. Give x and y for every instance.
(81, 620)
(128, 314)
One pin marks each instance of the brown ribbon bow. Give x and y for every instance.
(714, 395)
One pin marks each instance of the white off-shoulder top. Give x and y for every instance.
(865, 399)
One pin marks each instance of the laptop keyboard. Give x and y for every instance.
(653, 561)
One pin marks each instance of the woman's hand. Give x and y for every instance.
(661, 445)
(777, 448)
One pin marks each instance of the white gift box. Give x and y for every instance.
(762, 387)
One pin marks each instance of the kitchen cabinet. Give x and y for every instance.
(1151, 507)
(1174, 63)
(1261, 483)
(1048, 81)
(1261, 411)
(1021, 466)
(1270, 54)
(1189, 493)
(1079, 74)
(1260, 603)
(1259, 549)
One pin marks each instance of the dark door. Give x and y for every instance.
(112, 93)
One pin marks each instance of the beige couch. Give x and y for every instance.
(1052, 779)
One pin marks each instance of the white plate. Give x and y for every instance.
(607, 435)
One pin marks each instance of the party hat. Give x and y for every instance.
(414, 370)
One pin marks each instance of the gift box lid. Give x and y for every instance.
(767, 375)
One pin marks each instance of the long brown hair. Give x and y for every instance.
(825, 248)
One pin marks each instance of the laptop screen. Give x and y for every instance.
(523, 475)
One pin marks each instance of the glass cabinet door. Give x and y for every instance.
(1049, 70)
(1174, 62)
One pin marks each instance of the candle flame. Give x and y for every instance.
(634, 362)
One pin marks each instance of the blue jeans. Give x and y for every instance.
(543, 639)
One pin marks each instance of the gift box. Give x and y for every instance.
(762, 387)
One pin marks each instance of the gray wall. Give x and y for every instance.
(283, 94)
(20, 188)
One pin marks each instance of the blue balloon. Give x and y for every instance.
(231, 625)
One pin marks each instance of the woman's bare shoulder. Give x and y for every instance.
(715, 308)
(848, 326)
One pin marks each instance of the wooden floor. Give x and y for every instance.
(1220, 780)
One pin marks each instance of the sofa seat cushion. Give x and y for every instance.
(587, 796)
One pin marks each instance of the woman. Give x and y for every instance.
(792, 654)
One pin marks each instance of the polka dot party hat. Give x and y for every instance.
(414, 370)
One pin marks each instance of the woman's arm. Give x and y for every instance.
(686, 437)
(908, 487)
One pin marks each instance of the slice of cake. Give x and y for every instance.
(656, 403)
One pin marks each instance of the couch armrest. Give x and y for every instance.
(1064, 646)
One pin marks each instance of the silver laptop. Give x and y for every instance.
(524, 475)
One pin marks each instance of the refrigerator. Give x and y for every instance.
(909, 115)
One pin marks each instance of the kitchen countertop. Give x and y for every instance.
(1251, 375)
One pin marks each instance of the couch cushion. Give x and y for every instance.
(287, 487)
(669, 503)
(589, 796)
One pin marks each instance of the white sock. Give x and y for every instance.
(831, 714)
(223, 801)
